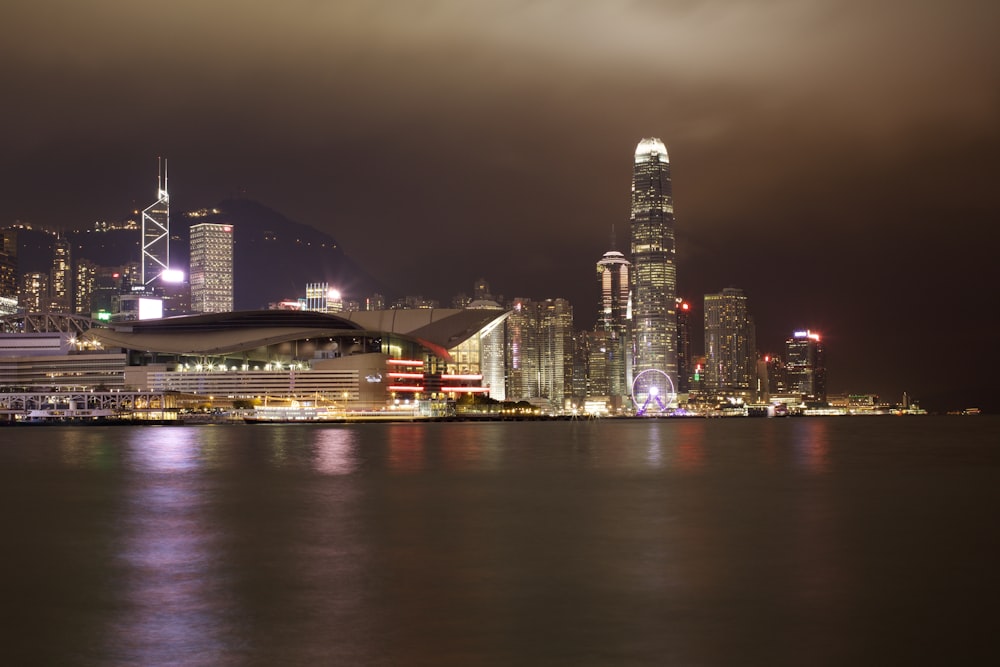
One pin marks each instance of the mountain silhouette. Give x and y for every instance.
(275, 257)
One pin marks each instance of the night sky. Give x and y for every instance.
(835, 159)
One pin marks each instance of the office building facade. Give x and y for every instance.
(61, 278)
(8, 264)
(211, 268)
(730, 342)
(805, 365)
(33, 296)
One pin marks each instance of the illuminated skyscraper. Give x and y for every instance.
(730, 342)
(156, 232)
(211, 268)
(612, 322)
(84, 285)
(8, 264)
(539, 351)
(683, 346)
(61, 278)
(33, 297)
(775, 377)
(654, 274)
(522, 352)
(556, 350)
(805, 365)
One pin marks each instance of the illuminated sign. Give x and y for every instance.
(172, 276)
(150, 309)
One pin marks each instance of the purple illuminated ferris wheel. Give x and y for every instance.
(652, 392)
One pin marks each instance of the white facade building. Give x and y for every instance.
(211, 268)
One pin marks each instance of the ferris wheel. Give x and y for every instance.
(652, 390)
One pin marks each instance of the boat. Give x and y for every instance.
(318, 415)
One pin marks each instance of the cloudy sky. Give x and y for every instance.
(835, 159)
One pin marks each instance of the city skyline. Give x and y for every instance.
(823, 156)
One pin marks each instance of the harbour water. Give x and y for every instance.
(812, 541)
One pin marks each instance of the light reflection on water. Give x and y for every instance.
(406, 447)
(691, 445)
(812, 444)
(591, 543)
(88, 448)
(336, 451)
(172, 603)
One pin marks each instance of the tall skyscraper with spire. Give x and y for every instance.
(654, 272)
(156, 231)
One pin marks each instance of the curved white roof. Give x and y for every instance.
(612, 257)
(648, 147)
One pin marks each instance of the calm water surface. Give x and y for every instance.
(819, 541)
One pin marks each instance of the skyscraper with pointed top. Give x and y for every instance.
(654, 273)
(156, 231)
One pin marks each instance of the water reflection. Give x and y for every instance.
(691, 447)
(406, 447)
(334, 451)
(163, 449)
(676, 444)
(88, 447)
(169, 611)
(654, 453)
(812, 444)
